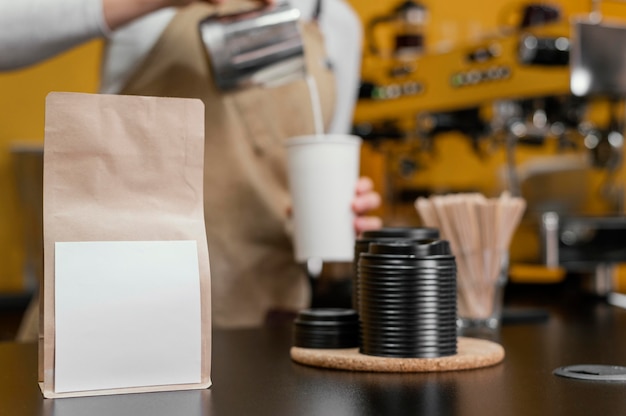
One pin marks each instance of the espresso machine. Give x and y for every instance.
(506, 111)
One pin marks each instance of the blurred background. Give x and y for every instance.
(519, 96)
(455, 96)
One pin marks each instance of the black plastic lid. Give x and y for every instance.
(420, 249)
(326, 328)
(327, 315)
(411, 233)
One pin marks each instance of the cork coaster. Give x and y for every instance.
(471, 353)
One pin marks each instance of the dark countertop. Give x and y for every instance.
(253, 375)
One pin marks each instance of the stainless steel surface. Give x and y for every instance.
(616, 299)
(590, 246)
(598, 59)
(550, 234)
(601, 282)
(257, 47)
(593, 372)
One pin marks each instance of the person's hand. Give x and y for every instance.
(366, 200)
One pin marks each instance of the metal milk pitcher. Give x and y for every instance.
(262, 46)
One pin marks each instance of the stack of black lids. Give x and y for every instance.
(407, 299)
(385, 234)
(326, 328)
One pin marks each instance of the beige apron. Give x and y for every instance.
(246, 197)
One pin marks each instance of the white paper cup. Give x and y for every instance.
(323, 171)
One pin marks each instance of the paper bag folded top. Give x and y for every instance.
(126, 291)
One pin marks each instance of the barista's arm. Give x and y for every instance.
(34, 30)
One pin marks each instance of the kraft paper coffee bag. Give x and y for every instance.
(125, 252)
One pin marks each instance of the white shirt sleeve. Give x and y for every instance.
(34, 30)
(128, 46)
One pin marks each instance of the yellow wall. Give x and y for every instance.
(22, 97)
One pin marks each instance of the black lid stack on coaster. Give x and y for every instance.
(407, 299)
(385, 234)
(405, 292)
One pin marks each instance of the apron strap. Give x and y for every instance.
(317, 10)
